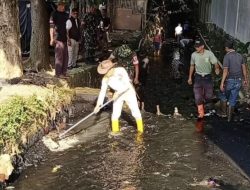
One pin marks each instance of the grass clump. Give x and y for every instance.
(20, 116)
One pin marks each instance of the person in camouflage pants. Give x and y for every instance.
(90, 34)
(127, 59)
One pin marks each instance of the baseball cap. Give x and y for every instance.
(198, 43)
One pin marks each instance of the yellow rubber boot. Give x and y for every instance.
(140, 127)
(115, 126)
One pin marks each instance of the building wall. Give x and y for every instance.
(230, 15)
(128, 14)
(125, 19)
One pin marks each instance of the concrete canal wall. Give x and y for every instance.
(230, 15)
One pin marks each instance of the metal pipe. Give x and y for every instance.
(237, 20)
(221, 66)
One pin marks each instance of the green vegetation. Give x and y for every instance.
(21, 116)
(242, 48)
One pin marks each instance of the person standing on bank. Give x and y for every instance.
(73, 36)
(234, 72)
(58, 38)
(201, 63)
(117, 78)
(90, 34)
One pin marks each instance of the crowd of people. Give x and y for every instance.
(70, 34)
(233, 70)
(123, 71)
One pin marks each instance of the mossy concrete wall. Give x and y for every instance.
(57, 98)
(85, 76)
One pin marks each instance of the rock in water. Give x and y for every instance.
(176, 113)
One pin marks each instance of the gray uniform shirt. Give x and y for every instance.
(233, 61)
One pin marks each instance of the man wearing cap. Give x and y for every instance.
(117, 78)
(201, 64)
(234, 73)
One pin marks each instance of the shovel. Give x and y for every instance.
(83, 119)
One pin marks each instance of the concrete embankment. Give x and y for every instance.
(38, 104)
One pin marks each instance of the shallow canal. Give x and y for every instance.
(170, 155)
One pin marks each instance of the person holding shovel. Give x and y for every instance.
(117, 78)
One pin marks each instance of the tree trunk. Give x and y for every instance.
(110, 8)
(10, 51)
(39, 45)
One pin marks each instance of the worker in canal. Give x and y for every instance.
(117, 78)
(201, 64)
(128, 59)
(234, 74)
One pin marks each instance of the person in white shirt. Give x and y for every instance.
(117, 78)
(73, 36)
(178, 32)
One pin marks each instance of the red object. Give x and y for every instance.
(199, 125)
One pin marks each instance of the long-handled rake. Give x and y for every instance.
(83, 119)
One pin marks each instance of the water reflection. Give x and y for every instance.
(124, 163)
(170, 155)
(199, 125)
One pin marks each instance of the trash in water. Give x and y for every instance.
(10, 187)
(156, 173)
(210, 112)
(210, 183)
(176, 112)
(56, 168)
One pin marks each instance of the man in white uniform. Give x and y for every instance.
(117, 78)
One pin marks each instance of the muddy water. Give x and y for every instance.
(170, 155)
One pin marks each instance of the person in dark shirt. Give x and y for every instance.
(106, 25)
(74, 35)
(186, 28)
(58, 38)
(234, 73)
